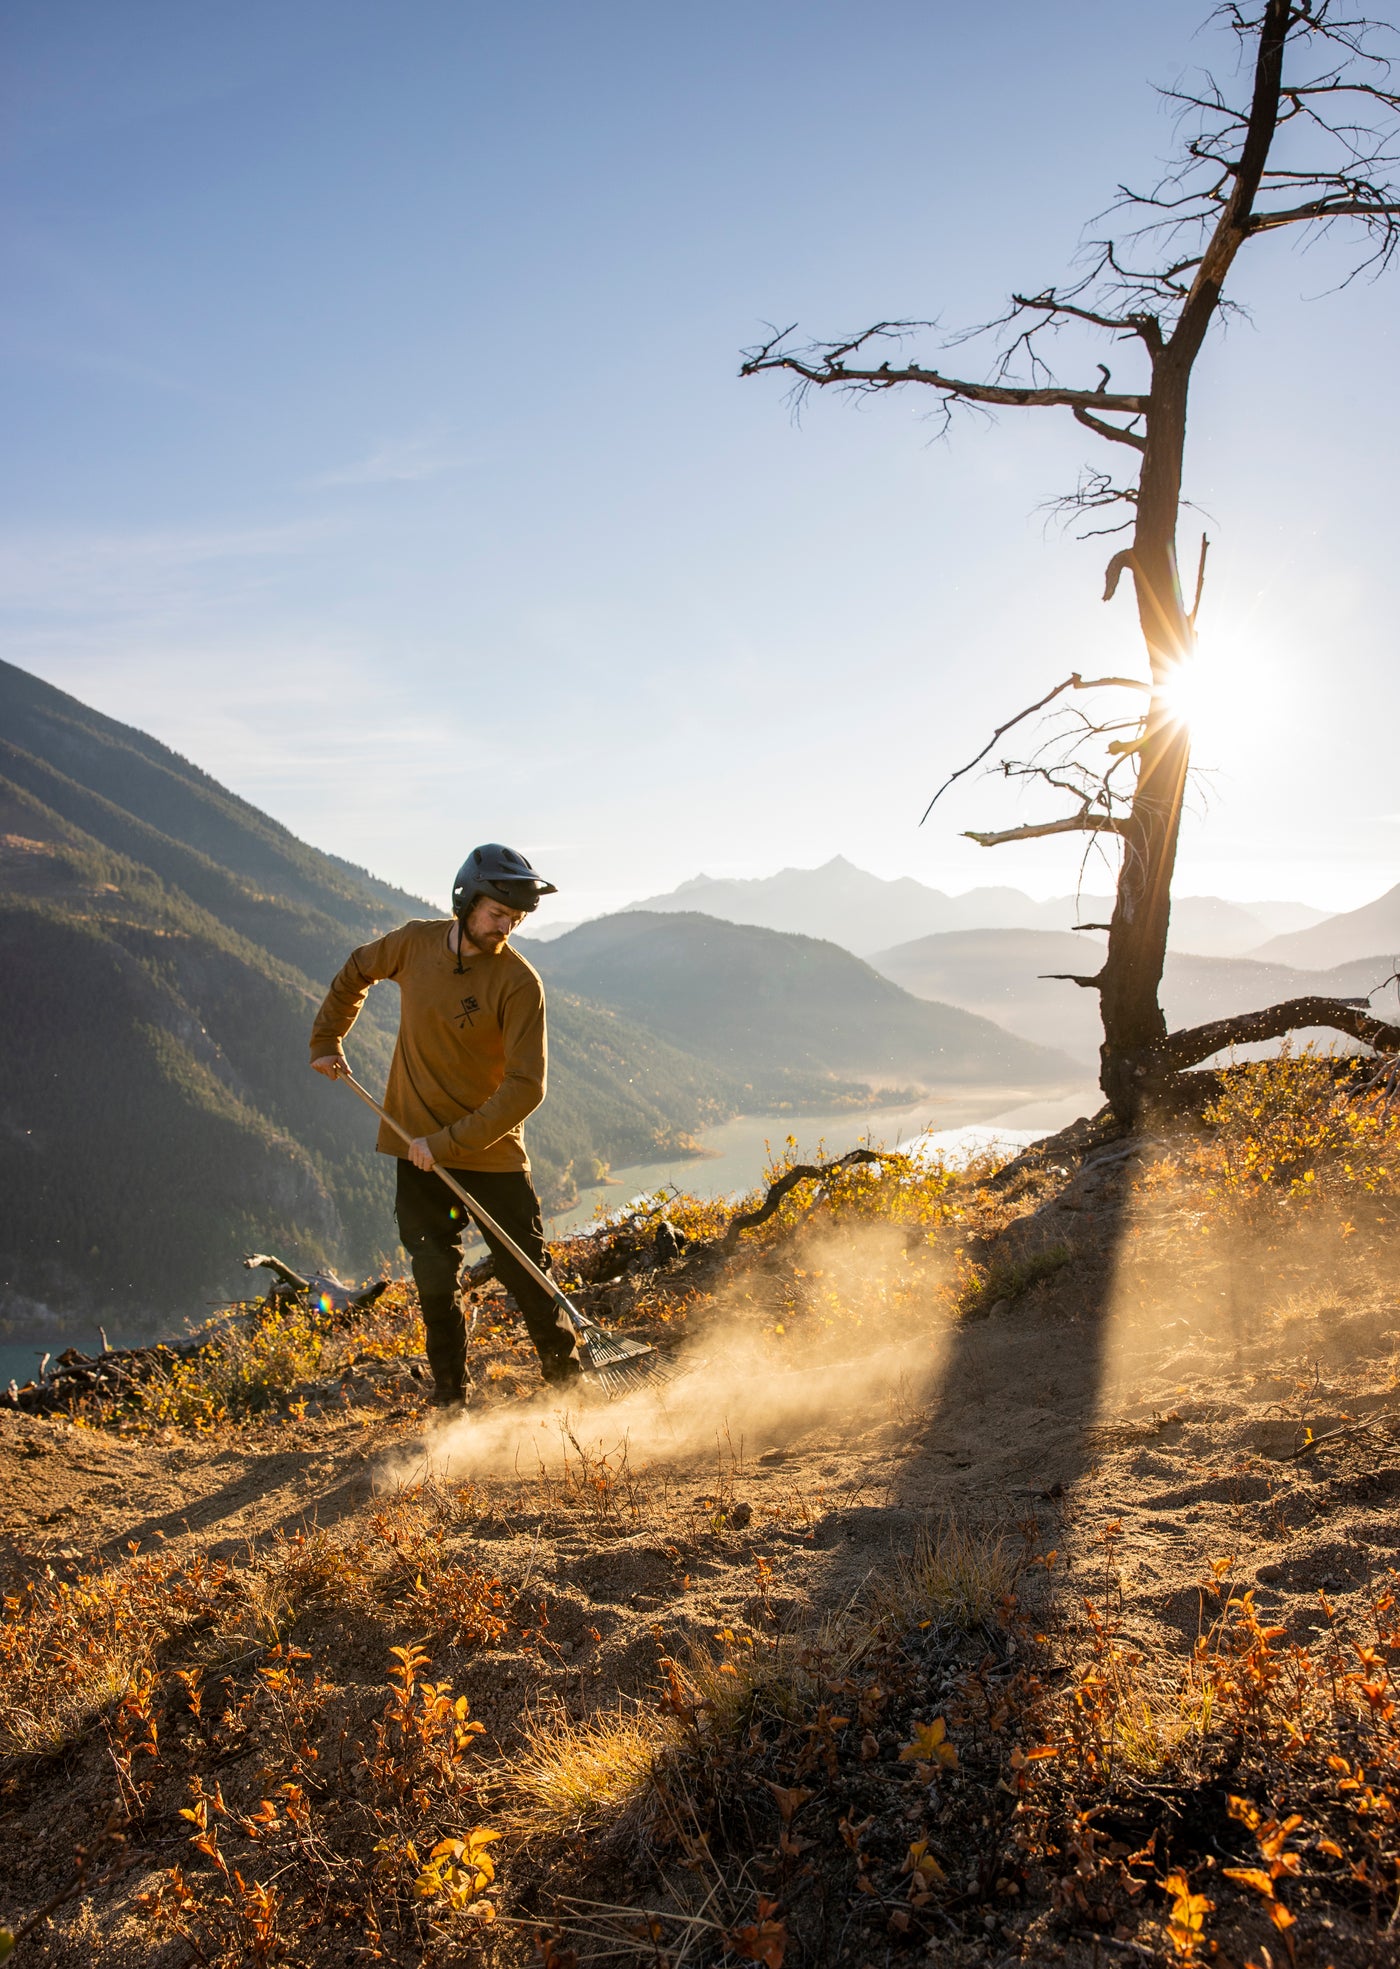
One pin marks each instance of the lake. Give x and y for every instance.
(738, 1149)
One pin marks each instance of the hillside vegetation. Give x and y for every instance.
(1009, 1577)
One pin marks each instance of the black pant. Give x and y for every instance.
(432, 1223)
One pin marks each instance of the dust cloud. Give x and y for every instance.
(867, 1341)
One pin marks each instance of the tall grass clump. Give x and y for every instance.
(573, 1774)
(953, 1576)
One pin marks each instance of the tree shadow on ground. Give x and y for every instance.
(1015, 1414)
(245, 1493)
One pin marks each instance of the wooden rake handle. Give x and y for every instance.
(483, 1218)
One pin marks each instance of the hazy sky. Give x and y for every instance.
(374, 436)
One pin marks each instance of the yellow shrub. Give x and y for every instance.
(246, 1367)
(1289, 1132)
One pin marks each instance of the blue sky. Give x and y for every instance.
(375, 439)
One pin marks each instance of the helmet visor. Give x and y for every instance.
(517, 895)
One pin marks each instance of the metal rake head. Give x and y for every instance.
(640, 1367)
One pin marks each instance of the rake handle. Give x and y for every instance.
(482, 1217)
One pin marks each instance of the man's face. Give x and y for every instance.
(490, 923)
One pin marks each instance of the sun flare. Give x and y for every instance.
(1184, 693)
(1216, 693)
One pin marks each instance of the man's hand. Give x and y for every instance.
(331, 1065)
(420, 1155)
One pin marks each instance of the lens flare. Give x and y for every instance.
(1183, 693)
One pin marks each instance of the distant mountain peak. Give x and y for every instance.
(864, 913)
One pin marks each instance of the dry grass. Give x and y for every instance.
(1006, 1280)
(954, 1576)
(571, 1775)
(933, 1765)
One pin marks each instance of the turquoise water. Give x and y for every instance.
(20, 1361)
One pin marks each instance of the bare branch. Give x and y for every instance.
(1200, 583)
(1115, 571)
(802, 1172)
(1074, 682)
(1323, 208)
(824, 364)
(1052, 304)
(1110, 431)
(1037, 830)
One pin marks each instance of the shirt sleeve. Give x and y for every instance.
(522, 1089)
(341, 1005)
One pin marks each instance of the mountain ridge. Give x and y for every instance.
(864, 913)
(157, 1115)
(1015, 977)
(1354, 933)
(739, 991)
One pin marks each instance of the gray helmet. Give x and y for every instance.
(498, 872)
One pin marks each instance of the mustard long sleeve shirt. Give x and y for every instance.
(469, 1064)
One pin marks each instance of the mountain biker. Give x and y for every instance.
(468, 1067)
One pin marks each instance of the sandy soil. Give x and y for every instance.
(1143, 1421)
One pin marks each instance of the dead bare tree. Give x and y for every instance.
(1316, 147)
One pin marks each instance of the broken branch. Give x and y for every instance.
(802, 1172)
(829, 367)
(1112, 431)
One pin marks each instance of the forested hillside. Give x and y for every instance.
(775, 1010)
(164, 945)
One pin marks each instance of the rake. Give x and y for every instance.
(614, 1364)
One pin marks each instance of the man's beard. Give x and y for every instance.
(490, 943)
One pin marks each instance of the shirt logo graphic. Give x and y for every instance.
(467, 1015)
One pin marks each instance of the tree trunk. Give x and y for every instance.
(1134, 1029)
(1129, 983)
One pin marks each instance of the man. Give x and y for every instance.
(468, 1067)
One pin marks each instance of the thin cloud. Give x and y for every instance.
(77, 574)
(403, 463)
